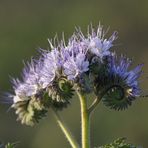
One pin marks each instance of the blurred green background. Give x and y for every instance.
(25, 26)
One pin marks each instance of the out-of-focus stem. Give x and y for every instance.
(65, 130)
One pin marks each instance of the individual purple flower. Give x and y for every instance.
(52, 63)
(96, 42)
(22, 91)
(31, 72)
(29, 85)
(76, 61)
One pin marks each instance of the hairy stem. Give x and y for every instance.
(65, 130)
(84, 121)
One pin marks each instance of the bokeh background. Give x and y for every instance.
(25, 26)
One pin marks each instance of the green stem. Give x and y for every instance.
(65, 130)
(84, 121)
(93, 105)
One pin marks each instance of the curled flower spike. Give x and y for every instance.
(60, 92)
(54, 82)
(27, 98)
(119, 83)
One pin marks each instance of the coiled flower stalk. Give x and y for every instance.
(60, 92)
(118, 84)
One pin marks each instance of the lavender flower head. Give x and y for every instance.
(50, 80)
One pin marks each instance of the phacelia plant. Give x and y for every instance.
(86, 64)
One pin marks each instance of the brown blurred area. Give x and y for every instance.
(25, 26)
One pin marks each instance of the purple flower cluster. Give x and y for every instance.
(30, 85)
(57, 71)
(120, 69)
(70, 61)
(121, 83)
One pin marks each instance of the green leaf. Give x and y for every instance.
(119, 143)
(11, 145)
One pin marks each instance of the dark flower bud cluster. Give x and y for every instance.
(85, 63)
